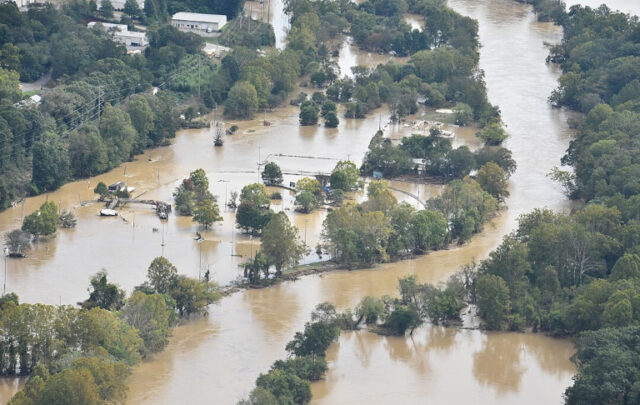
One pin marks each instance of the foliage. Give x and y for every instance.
(493, 179)
(256, 194)
(43, 222)
(272, 174)
(308, 113)
(252, 218)
(494, 305)
(242, 101)
(493, 134)
(607, 368)
(103, 294)
(150, 315)
(207, 213)
(281, 243)
(18, 243)
(193, 195)
(162, 275)
(344, 176)
(306, 201)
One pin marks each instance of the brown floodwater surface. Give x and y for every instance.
(217, 359)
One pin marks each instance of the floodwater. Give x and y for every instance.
(216, 359)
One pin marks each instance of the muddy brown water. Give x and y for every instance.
(216, 359)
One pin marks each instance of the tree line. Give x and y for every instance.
(578, 274)
(84, 355)
(102, 110)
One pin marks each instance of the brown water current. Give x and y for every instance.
(216, 359)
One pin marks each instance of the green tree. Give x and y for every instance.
(76, 387)
(308, 113)
(286, 388)
(193, 296)
(43, 222)
(256, 194)
(306, 201)
(242, 101)
(10, 85)
(102, 190)
(331, 120)
(150, 316)
(106, 8)
(162, 275)
(50, 167)
(207, 213)
(493, 180)
(428, 229)
(305, 367)
(109, 376)
(401, 319)
(103, 294)
(132, 8)
(314, 341)
(142, 116)
(627, 267)
(344, 176)
(493, 134)
(369, 310)
(251, 217)
(118, 134)
(281, 243)
(272, 174)
(494, 304)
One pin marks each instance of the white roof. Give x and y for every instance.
(131, 34)
(107, 26)
(209, 18)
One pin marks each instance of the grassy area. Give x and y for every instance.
(30, 93)
(439, 117)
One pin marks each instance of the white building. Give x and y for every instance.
(121, 34)
(198, 22)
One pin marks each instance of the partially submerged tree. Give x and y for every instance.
(272, 174)
(18, 243)
(281, 243)
(103, 294)
(43, 222)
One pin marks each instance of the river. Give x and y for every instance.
(217, 359)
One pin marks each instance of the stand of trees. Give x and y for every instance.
(578, 274)
(438, 156)
(380, 229)
(102, 111)
(84, 355)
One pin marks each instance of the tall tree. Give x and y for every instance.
(281, 243)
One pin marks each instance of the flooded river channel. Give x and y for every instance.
(216, 359)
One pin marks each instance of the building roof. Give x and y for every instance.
(107, 26)
(131, 34)
(197, 17)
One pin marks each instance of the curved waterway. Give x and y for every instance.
(216, 359)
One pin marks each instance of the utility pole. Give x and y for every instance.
(4, 289)
(259, 161)
(269, 13)
(198, 76)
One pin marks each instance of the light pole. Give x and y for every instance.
(304, 258)
(4, 288)
(226, 187)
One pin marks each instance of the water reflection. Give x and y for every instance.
(498, 365)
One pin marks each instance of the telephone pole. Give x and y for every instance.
(198, 76)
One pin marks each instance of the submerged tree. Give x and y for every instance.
(281, 243)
